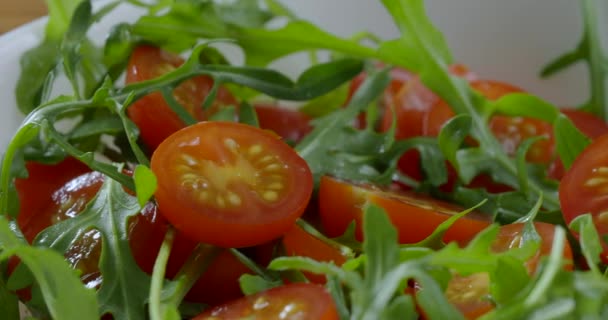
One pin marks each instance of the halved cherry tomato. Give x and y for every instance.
(230, 184)
(588, 124)
(298, 242)
(414, 215)
(583, 187)
(303, 301)
(292, 125)
(470, 293)
(155, 119)
(43, 180)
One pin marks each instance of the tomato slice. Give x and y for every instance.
(155, 119)
(298, 242)
(292, 125)
(302, 301)
(230, 184)
(414, 215)
(470, 293)
(583, 187)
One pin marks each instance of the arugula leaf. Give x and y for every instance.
(145, 184)
(569, 140)
(58, 282)
(591, 245)
(124, 292)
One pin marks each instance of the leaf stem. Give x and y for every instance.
(595, 59)
(155, 306)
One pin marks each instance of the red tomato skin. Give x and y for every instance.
(298, 242)
(155, 119)
(233, 226)
(220, 282)
(414, 215)
(291, 125)
(36, 190)
(306, 301)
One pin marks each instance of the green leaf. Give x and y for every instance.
(525, 105)
(124, 292)
(251, 284)
(326, 103)
(145, 184)
(569, 140)
(104, 125)
(380, 245)
(60, 14)
(247, 115)
(36, 65)
(452, 136)
(72, 40)
(591, 245)
(58, 282)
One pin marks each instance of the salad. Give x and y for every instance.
(386, 181)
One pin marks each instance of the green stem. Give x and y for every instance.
(155, 306)
(595, 60)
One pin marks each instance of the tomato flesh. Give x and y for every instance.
(154, 118)
(470, 293)
(300, 301)
(414, 215)
(230, 184)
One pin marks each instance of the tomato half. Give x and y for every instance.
(469, 293)
(292, 125)
(155, 119)
(583, 188)
(230, 184)
(298, 242)
(414, 215)
(302, 301)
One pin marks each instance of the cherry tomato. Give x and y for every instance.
(293, 301)
(155, 119)
(298, 242)
(469, 293)
(36, 190)
(414, 215)
(229, 184)
(588, 124)
(291, 125)
(583, 187)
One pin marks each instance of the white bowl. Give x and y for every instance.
(502, 40)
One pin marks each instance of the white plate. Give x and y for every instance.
(503, 40)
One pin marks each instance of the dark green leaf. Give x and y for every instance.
(248, 115)
(591, 245)
(107, 124)
(253, 284)
(452, 136)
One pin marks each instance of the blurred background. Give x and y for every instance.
(17, 12)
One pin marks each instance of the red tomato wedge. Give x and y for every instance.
(469, 293)
(230, 184)
(414, 215)
(298, 242)
(302, 301)
(292, 125)
(155, 119)
(583, 187)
